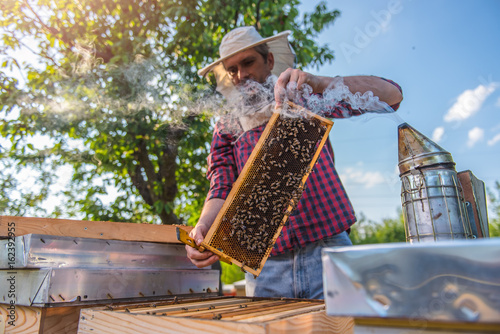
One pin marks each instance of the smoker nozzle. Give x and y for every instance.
(417, 151)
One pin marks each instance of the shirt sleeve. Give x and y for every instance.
(221, 165)
(394, 106)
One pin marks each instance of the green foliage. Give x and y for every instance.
(494, 207)
(108, 97)
(370, 232)
(494, 228)
(231, 273)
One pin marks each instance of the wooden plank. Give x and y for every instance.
(200, 313)
(314, 322)
(231, 311)
(180, 305)
(89, 229)
(109, 322)
(270, 315)
(27, 319)
(421, 324)
(399, 330)
(255, 311)
(60, 320)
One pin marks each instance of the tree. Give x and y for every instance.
(370, 232)
(109, 99)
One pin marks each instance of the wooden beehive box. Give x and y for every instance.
(268, 189)
(216, 315)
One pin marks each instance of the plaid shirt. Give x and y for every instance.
(324, 208)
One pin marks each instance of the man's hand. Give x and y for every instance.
(200, 259)
(208, 214)
(291, 81)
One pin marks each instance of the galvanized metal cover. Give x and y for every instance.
(43, 251)
(448, 280)
(42, 287)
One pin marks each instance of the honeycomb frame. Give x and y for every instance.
(268, 189)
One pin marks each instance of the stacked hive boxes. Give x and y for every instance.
(51, 276)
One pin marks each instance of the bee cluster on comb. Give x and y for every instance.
(267, 190)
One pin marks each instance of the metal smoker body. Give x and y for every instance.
(433, 204)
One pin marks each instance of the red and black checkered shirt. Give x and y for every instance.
(324, 208)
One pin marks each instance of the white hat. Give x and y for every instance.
(241, 39)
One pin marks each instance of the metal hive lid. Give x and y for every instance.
(416, 150)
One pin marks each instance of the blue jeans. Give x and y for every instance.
(294, 274)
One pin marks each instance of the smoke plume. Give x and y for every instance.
(255, 101)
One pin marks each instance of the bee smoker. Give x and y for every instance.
(433, 203)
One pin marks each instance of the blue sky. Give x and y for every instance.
(446, 57)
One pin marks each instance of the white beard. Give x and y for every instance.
(260, 117)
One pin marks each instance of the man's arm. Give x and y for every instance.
(208, 215)
(221, 171)
(385, 91)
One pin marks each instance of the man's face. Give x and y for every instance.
(249, 64)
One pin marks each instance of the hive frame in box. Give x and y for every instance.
(220, 229)
(222, 315)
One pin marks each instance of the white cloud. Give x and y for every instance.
(438, 133)
(359, 176)
(475, 135)
(469, 102)
(494, 140)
